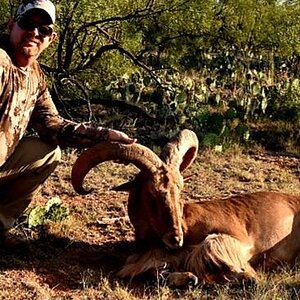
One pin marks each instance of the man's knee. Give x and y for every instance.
(35, 150)
(54, 156)
(32, 155)
(47, 158)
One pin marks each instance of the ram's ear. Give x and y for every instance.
(125, 187)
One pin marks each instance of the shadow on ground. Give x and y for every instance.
(65, 264)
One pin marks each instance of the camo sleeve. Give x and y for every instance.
(5, 70)
(5, 138)
(59, 131)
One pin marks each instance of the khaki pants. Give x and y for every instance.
(22, 175)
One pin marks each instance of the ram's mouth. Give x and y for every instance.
(172, 241)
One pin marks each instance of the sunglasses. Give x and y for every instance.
(28, 25)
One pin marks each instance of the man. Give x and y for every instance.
(26, 162)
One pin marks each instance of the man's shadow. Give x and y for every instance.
(67, 264)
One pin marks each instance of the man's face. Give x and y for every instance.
(30, 35)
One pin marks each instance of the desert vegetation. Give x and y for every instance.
(228, 70)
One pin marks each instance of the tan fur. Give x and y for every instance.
(153, 259)
(220, 258)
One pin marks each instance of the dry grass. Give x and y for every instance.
(78, 258)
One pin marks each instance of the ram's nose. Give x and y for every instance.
(173, 241)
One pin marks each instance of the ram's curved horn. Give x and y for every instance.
(182, 150)
(141, 156)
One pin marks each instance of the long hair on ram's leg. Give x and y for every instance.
(220, 258)
(153, 260)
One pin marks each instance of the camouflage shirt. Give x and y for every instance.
(25, 101)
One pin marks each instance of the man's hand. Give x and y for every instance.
(119, 136)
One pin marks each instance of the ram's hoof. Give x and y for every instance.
(181, 279)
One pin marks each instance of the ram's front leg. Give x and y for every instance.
(158, 268)
(151, 262)
(158, 264)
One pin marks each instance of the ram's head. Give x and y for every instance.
(155, 206)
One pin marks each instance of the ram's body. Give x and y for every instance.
(227, 240)
(213, 241)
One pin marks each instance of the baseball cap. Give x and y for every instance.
(44, 5)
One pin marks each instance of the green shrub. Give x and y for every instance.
(53, 210)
